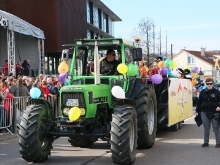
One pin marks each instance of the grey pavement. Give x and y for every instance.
(6, 136)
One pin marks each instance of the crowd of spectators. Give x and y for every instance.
(20, 86)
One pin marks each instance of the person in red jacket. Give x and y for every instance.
(45, 90)
(5, 68)
(19, 68)
(8, 101)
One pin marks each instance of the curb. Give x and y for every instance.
(7, 136)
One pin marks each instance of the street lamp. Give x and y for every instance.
(137, 40)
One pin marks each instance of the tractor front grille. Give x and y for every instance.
(74, 95)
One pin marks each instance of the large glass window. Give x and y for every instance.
(95, 16)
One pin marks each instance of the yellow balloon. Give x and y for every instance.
(173, 65)
(160, 64)
(74, 113)
(188, 68)
(194, 75)
(63, 67)
(122, 68)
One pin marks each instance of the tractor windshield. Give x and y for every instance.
(83, 62)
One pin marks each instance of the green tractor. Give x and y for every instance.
(90, 111)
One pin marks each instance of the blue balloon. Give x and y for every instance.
(35, 92)
(66, 82)
(168, 71)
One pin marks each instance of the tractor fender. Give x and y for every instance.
(41, 101)
(136, 87)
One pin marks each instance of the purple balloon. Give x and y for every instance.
(163, 70)
(62, 77)
(156, 79)
(195, 69)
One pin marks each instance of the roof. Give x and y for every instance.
(18, 25)
(106, 10)
(207, 58)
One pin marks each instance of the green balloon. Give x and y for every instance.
(132, 70)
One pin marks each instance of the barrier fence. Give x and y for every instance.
(12, 110)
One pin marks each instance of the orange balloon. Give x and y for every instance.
(193, 82)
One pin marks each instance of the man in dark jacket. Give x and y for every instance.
(23, 90)
(108, 66)
(26, 66)
(13, 87)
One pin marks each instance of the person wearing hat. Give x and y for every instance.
(183, 73)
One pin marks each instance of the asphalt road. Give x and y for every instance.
(171, 148)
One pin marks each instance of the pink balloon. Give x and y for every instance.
(156, 79)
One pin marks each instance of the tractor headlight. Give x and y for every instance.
(66, 111)
(83, 111)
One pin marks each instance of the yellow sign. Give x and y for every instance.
(180, 100)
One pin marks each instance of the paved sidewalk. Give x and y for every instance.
(6, 136)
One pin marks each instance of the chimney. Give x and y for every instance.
(202, 51)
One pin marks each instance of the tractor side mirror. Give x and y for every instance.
(65, 54)
(137, 54)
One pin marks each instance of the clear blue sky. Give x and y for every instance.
(190, 24)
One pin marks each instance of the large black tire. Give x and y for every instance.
(81, 142)
(35, 146)
(124, 135)
(146, 106)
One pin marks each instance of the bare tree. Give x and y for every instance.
(146, 32)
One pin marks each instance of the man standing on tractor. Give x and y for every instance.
(108, 66)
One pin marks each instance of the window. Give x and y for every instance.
(191, 60)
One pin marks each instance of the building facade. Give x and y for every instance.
(205, 60)
(63, 21)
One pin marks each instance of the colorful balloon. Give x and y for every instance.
(35, 92)
(194, 75)
(195, 69)
(188, 68)
(193, 82)
(160, 64)
(168, 63)
(118, 92)
(169, 71)
(132, 70)
(163, 71)
(122, 68)
(173, 65)
(74, 113)
(156, 79)
(62, 77)
(63, 67)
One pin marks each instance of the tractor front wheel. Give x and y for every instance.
(35, 145)
(124, 134)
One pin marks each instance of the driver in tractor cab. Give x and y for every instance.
(108, 66)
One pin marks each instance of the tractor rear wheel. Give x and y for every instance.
(81, 142)
(35, 145)
(146, 107)
(123, 134)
